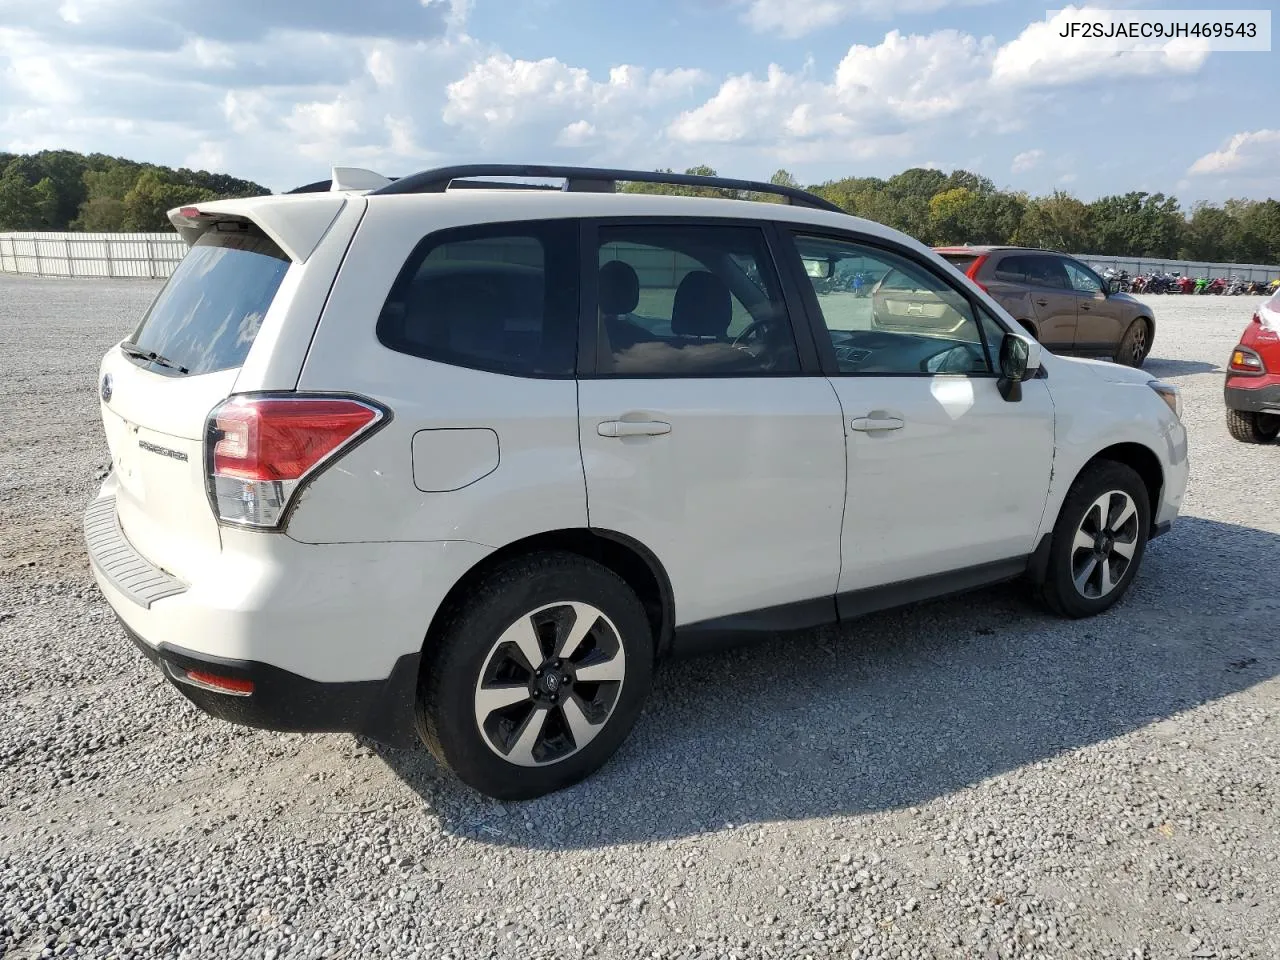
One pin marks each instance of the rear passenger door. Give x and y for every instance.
(1053, 298)
(708, 434)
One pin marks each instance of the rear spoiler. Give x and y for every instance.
(296, 224)
(296, 221)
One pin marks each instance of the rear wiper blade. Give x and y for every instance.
(133, 350)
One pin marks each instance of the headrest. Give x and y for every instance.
(702, 307)
(619, 288)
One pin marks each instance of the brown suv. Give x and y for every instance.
(1064, 304)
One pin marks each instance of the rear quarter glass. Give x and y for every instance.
(208, 314)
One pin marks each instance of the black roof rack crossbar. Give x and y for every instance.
(592, 179)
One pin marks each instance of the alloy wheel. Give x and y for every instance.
(1139, 347)
(1104, 544)
(550, 683)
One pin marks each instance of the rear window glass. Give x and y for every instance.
(961, 261)
(207, 315)
(502, 297)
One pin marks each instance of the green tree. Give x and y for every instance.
(150, 199)
(1138, 224)
(17, 201)
(44, 205)
(952, 216)
(1056, 222)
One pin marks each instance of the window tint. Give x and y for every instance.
(908, 320)
(690, 301)
(1044, 271)
(1012, 270)
(1083, 280)
(208, 314)
(501, 297)
(961, 261)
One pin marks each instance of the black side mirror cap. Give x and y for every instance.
(1013, 367)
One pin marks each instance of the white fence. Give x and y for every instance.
(146, 256)
(1188, 268)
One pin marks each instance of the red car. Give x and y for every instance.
(1253, 378)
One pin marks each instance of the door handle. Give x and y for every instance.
(1042, 303)
(1085, 306)
(876, 424)
(633, 428)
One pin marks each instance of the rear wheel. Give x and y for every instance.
(1253, 427)
(1099, 540)
(1135, 344)
(537, 676)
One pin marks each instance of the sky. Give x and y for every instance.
(277, 91)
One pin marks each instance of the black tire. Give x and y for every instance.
(1253, 427)
(465, 646)
(1030, 328)
(1067, 560)
(1135, 345)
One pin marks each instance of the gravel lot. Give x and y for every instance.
(967, 778)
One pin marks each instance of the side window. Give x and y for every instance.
(690, 301)
(1046, 272)
(903, 319)
(1083, 280)
(1012, 269)
(501, 297)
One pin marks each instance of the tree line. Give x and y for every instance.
(63, 190)
(961, 207)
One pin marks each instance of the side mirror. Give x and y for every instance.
(1015, 363)
(819, 269)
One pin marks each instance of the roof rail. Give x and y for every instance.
(590, 180)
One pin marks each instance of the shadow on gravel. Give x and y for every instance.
(901, 708)
(1178, 368)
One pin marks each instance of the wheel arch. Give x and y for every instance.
(1143, 461)
(631, 560)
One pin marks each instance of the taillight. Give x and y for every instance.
(261, 449)
(1244, 360)
(972, 272)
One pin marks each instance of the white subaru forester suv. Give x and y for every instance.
(459, 458)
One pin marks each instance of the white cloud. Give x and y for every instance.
(577, 134)
(1040, 57)
(1257, 152)
(1027, 160)
(796, 18)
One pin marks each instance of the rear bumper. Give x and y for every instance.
(382, 710)
(330, 635)
(1253, 394)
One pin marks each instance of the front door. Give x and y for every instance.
(704, 437)
(945, 475)
(1100, 322)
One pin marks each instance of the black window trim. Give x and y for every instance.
(461, 233)
(1049, 257)
(818, 325)
(588, 334)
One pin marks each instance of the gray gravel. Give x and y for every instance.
(968, 778)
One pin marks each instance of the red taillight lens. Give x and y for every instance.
(281, 439)
(263, 447)
(972, 272)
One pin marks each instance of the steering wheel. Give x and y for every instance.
(752, 329)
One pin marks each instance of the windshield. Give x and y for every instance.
(206, 317)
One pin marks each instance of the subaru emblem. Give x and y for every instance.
(106, 388)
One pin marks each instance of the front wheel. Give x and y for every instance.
(1253, 427)
(1099, 540)
(536, 676)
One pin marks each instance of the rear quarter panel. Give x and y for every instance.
(370, 494)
